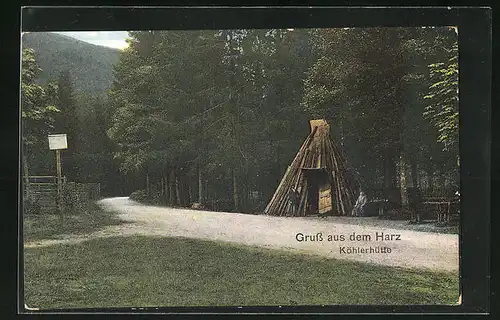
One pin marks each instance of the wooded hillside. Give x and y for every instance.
(91, 65)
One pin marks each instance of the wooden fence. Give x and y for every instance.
(43, 192)
(44, 179)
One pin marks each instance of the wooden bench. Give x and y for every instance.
(381, 205)
(445, 207)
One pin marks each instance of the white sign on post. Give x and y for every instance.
(57, 141)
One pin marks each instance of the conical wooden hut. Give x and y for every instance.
(317, 181)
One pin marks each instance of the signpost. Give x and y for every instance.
(58, 142)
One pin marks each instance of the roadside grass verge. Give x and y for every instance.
(50, 226)
(143, 271)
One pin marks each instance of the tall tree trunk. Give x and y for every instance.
(403, 183)
(200, 186)
(235, 191)
(244, 203)
(190, 196)
(171, 188)
(241, 195)
(213, 197)
(414, 174)
(165, 187)
(235, 119)
(162, 192)
(386, 173)
(430, 180)
(177, 191)
(442, 182)
(205, 191)
(147, 183)
(390, 171)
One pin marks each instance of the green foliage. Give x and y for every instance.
(31, 206)
(143, 197)
(231, 107)
(139, 196)
(38, 113)
(73, 201)
(358, 85)
(68, 123)
(215, 101)
(37, 102)
(370, 83)
(442, 110)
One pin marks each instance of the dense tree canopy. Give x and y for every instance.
(38, 112)
(443, 108)
(38, 102)
(216, 116)
(234, 104)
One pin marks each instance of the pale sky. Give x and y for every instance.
(113, 39)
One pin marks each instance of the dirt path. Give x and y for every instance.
(414, 249)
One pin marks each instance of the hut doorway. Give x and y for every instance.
(319, 191)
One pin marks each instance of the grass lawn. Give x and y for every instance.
(152, 271)
(50, 226)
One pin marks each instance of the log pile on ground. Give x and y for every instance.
(317, 181)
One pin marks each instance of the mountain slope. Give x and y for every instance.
(91, 66)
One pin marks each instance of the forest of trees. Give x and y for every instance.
(216, 116)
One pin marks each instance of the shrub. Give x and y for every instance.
(143, 197)
(73, 199)
(138, 195)
(31, 206)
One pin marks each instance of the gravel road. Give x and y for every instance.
(408, 248)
